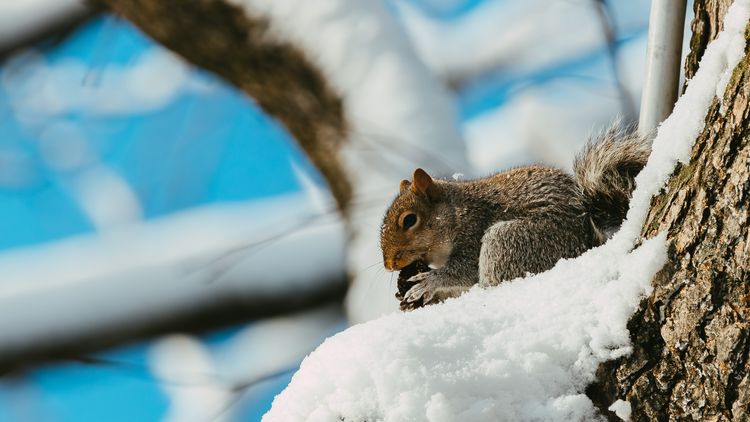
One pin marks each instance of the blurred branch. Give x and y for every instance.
(231, 310)
(460, 80)
(627, 104)
(223, 38)
(45, 26)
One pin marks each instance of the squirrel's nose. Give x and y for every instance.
(390, 261)
(393, 262)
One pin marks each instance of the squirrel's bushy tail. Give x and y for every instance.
(605, 171)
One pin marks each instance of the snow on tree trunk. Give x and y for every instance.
(691, 337)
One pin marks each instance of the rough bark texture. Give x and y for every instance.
(707, 23)
(220, 37)
(691, 338)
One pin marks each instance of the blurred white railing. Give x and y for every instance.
(664, 58)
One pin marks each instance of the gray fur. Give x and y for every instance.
(536, 245)
(606, 169)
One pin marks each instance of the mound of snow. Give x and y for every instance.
(524, 350)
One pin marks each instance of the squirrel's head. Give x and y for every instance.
(412, 228)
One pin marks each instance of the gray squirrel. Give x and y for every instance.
(506, 225)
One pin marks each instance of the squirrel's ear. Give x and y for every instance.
(423, 183)
(404, 185)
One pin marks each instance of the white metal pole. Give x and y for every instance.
(660, 88)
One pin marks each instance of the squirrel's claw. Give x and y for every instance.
(431, 288)
(422, 289)
(419, 277)
(419, 291)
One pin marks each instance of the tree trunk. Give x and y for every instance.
(219, 36)
(691, 338)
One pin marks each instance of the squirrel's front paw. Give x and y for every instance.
(423, 288)
(432, 288)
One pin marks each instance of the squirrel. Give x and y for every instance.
(509, 224)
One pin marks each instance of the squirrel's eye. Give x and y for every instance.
(409, 221)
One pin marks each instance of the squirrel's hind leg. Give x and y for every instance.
(514, 248)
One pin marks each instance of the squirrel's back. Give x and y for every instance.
(605, 171)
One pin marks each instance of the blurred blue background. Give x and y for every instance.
(190, 147)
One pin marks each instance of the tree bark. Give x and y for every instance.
(222, 38)
(708, 21)
(691, 338)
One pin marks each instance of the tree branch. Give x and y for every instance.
(222, 38)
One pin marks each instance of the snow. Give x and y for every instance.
(202, 382)
(550, 74)
(524, 350)
(525, 35)
(42, 93)
(621, 409)
(367, 57)
(147, 269)
(37, 88)
(511, 135)
(188, 370)
(106, 197)
(21, 19)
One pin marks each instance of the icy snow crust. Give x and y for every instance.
(524, 350)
